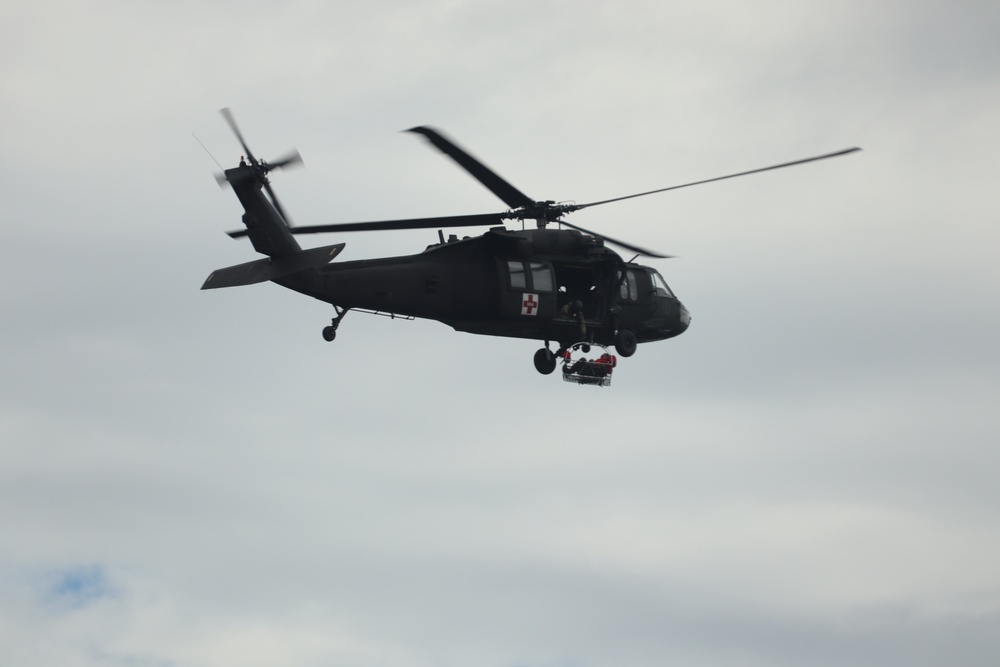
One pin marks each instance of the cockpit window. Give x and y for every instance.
(660, 285)
(629, 288)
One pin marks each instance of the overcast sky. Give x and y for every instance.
(806, 477)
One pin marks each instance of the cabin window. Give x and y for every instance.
(541, 277)
(538, 273)
(517, 278)
(660, 285)
(629, 288)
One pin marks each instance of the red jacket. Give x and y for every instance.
(607, 360)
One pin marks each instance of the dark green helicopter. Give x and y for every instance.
(561, 285)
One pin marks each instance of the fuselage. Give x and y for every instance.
(538, 284)
(546, 284)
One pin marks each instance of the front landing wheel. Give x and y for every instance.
(625, 342)
(329, 333)
(545, 361)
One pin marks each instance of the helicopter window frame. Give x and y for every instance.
(659, 284)
(534, 276)
(629, 288)
(518, 276)
(542, 279)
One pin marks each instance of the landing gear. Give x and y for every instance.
(625, 342)
(545, 361)
(330, 332)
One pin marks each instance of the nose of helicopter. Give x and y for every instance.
(685, 319)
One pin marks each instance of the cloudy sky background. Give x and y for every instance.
(807, 476)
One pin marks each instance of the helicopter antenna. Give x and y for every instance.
(207, 151)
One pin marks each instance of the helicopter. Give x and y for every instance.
(558, 283)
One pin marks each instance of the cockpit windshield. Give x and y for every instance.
(660, 285)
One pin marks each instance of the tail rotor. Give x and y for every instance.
(260, 167)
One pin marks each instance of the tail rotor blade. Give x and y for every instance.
(277, 204)
(228, 115)
(291, 160)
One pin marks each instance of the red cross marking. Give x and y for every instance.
(529, 304)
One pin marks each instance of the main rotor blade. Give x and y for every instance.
(228, 115)
(490, 219)
(497, 185)
(577, 207)
(627, 246)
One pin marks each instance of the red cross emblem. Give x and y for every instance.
(530, 304)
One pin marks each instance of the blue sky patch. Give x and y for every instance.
(79, 586)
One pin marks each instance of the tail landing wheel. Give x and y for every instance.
(330, 332)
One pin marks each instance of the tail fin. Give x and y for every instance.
(266, 226)
(262, 270)
(266, 221)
